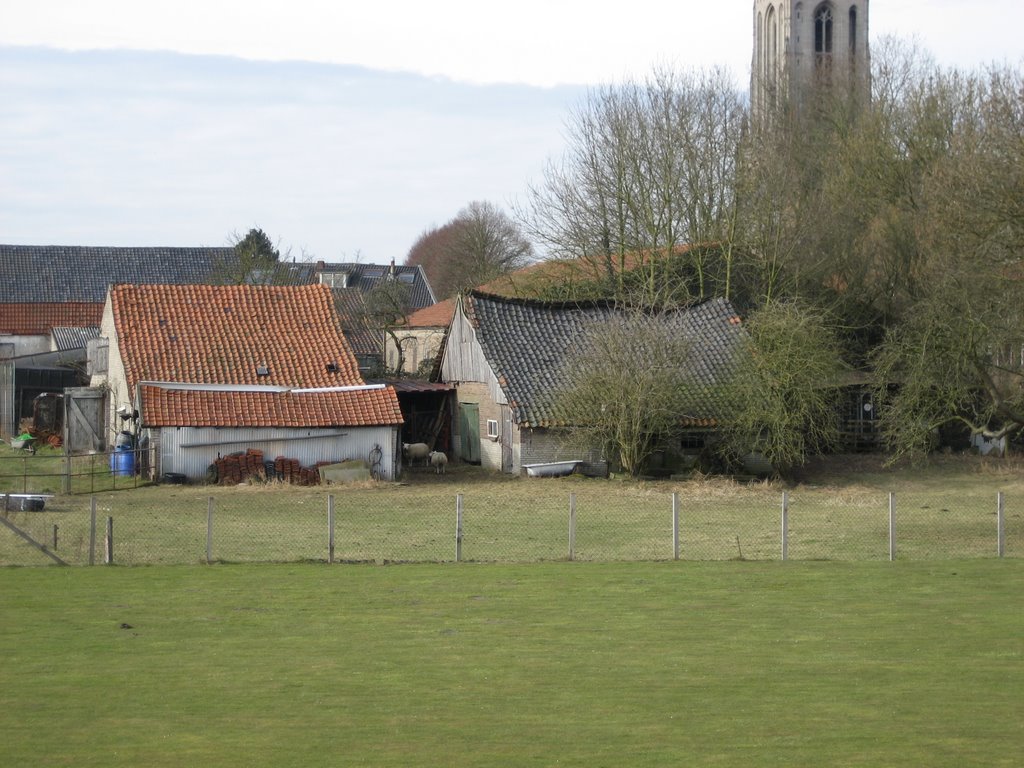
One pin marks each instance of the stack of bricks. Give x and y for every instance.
(239, 467)
(242, 467)
(290, 471)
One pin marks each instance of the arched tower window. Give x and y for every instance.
(853, 39)
(823, 42)
(823, 31)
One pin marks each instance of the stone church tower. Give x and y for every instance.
(806, 48)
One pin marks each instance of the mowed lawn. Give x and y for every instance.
(569, 664)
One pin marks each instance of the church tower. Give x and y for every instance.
(803, 50)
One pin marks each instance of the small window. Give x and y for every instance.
(407, 277)
(334, 279)
(492, 428)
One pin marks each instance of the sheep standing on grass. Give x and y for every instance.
(439, 461)
(414, 451)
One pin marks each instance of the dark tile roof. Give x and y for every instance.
(365, 277)
(209, 334)
(351, 306)
(59, 274)
(526, 342)
(365, 406)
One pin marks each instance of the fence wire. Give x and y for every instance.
(152, 526)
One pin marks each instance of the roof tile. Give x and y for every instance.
(231, 334)
(525, 342)
(169, 407)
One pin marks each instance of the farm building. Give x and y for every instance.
(191, 426)
(51, 302)
(505, 358)
(202, 370)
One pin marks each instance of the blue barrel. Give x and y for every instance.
(122, 461)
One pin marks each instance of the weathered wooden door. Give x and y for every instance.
(469, 429)
(84, 418)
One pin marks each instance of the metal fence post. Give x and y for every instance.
(330, 528)
(785, 525)
(675, 525)
(1001, 524)
(209, 530)
(92, 531)
(108, 543)
(892, 526)
(458, 528)
(572, 526)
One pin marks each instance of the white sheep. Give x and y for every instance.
(438, 460)
(414, 451)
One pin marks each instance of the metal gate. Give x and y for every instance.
(8, 419)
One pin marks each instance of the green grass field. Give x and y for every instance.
(572, 664)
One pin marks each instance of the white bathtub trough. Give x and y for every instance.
(552, 468)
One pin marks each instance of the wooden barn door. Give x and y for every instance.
(469, 429)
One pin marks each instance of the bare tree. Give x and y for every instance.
(481, 243)
(386, 308)
(650, 167)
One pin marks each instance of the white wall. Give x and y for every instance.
(190, 450)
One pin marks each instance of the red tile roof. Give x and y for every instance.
(435, 316)
(223, 334)
(164, 407)
(38, 319)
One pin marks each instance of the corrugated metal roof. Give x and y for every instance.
(412, 385)
(65, 338)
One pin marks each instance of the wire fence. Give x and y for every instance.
(49, 472)
(589, 524)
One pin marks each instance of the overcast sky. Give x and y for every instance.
(134, 123)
